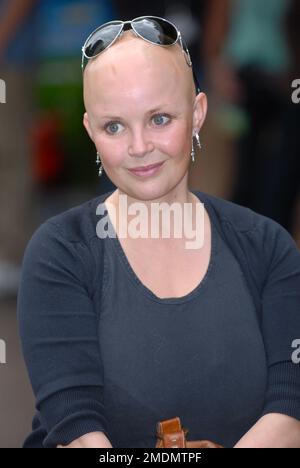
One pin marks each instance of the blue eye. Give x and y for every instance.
(161, 116)
(112, 125)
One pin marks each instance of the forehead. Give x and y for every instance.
(136, 71)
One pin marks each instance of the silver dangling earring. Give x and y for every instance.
(193, 151)
(198, 140)
(198, 143)
(98, 161)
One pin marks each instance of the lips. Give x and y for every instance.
(145, 168)
(147, 171)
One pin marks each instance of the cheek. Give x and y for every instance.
(176, 142)
(111, 152)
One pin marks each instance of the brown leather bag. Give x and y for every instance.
(170, 434)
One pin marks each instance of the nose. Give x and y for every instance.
(139, 145)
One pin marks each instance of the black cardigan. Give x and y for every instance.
(59, 261)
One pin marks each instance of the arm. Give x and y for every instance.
(91, 440)
(279, 424)
(272, 431)
(12, 18)
(59, 334)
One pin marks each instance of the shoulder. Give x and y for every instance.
(77, 224)
(240, 218)
(260, 240)
(67, 241)
(64, 252)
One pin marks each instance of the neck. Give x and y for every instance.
(184, 200)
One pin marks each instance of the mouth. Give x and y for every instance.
(146, 170)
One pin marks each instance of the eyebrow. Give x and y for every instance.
(116, 117)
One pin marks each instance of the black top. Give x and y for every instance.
(104, 353)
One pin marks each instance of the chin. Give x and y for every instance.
(146, 192)
(154, 188)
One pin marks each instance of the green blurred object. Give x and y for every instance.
(233, 120)
(59, 90)
(63, 27)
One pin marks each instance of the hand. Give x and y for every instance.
(90, 440)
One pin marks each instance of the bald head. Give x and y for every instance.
(123, 69)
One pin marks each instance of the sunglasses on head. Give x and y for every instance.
(152, 29)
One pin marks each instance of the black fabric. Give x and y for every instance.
(104, 354)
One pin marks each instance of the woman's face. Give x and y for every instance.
(141, 110)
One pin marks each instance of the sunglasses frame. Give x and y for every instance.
(179, 39)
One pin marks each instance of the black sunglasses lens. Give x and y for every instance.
(155, 30)
(101, 39)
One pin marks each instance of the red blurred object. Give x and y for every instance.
(47, 150)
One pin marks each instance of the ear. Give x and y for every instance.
(87, 125)
(199, 112)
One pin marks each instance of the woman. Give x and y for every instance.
(123, 331)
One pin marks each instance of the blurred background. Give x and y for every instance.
(246, 56)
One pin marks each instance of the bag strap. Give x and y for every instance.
(170, 434)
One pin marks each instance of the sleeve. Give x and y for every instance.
(58, 332)
(281, 323)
